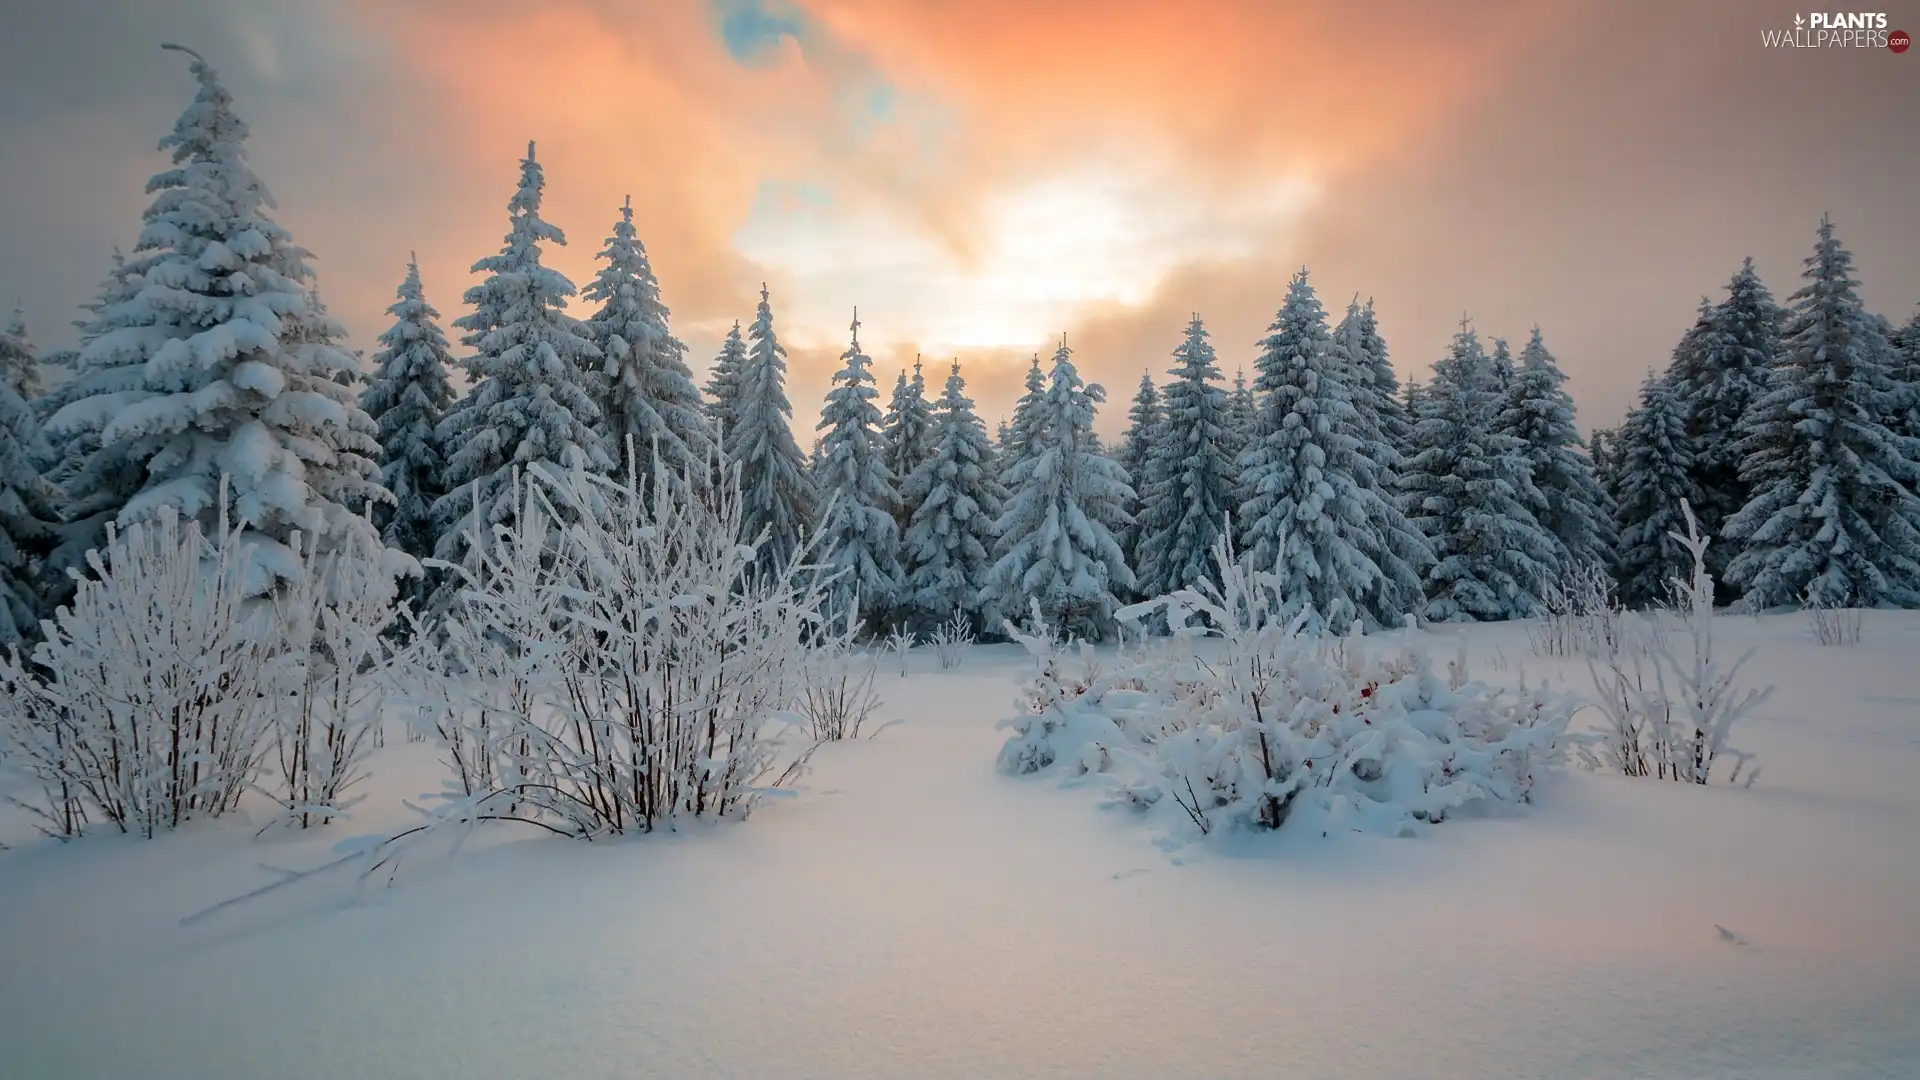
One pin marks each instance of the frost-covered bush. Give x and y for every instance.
(618, 672)
(151, 699)
(1581, 616)
(1668, 712)
(950, 641)
(1240, 718)
(1833, 625)
(836, 680)
(900, 644)
(337, 661)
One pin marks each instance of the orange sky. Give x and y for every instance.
(980, 177)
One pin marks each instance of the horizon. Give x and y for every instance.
(979, 182)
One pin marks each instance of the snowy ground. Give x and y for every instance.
(913, 914)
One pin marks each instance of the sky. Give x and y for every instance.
(981, 177)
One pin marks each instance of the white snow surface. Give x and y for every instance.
(914, 913)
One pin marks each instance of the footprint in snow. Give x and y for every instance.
(1729, 936)
(1121, 875)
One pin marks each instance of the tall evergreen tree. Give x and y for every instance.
(407, 398)
(1718, 370)
(1028, 418)
(1136, 451)
(947, 549)
(723, 386)
(1656, 469)
(906, 433)
(530, 408)
(1906, 373)
(857, 494)
(1834, 518)
(1311, 501)
(1243, 417)
(29, 517)
(644, 390)
(1468, 491)
(1190, 479)
(19, 360)
(238, 375)
(776, 492)
(1573, 506)
(1360, 361)
(1065, 502)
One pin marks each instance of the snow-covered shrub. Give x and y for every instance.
(1057, 701)
(900, 644)
(1834, 625)
(1241, 718)
(151, 699)
(836, 681)
(1668, 712)
(950, 641)
(1581, 616)
(618, 672)
(331, 621)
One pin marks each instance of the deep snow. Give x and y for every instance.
(914, 914)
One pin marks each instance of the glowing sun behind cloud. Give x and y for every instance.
(1037, 254)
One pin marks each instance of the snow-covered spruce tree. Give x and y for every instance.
(407, 398)
(239, 376)
(1718, 370)
(1378, 397)
(29, 517)
(1834, 520)
(1467, 490)
(947, 549)
(1028, 418)
(723, 386)
(1573, 507)
(1656, 463)
(19, 360)
(1906, 373)
(1135, 456)
(1243, 418)
(644, 390)
(1359, 359)
(1190, 478)
(776, 493)
(95, 482)
(907, 434)
(530, 409)
(1065, 501)
(860, 541)
(1310, 504)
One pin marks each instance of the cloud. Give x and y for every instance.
(979, 177)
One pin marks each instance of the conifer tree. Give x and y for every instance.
(648, 403)
(1312, 504)
(907, 433)
(1242, 419)
(1065, 501)
(29, 522)
(1656, 467)
(1906, 374)
(723, 386)
(1357, 356)
(1028, 417)
(238, 376)
(857, 494)
(1136, 451)
(530, 409)
(1573, 506)
(776, 491)
(1190, 478)
(1834, 519)
(1718, 370)
(19, 360)
(407, 398)
(947, 549)
(1468, 491)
